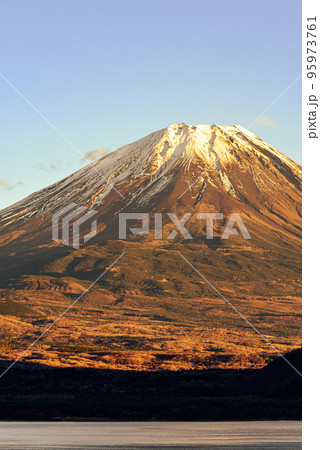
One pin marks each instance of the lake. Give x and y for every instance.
(156, 435)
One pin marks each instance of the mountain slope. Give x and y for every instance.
(152, 311)
(234, 166)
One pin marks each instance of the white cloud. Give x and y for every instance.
(49, 167)
(264, 120)
(6, 185)
(94, 154)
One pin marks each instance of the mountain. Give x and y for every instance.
(152, 310)
(230, 165)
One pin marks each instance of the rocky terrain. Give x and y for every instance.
(151, 311)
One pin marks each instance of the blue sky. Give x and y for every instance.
(106, 73)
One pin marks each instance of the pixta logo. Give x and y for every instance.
(234, 225)
(67, 218)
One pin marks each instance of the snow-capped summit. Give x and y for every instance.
(231, 167)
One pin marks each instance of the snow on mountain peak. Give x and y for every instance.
(150, 164)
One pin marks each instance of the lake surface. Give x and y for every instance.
(155, 435)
